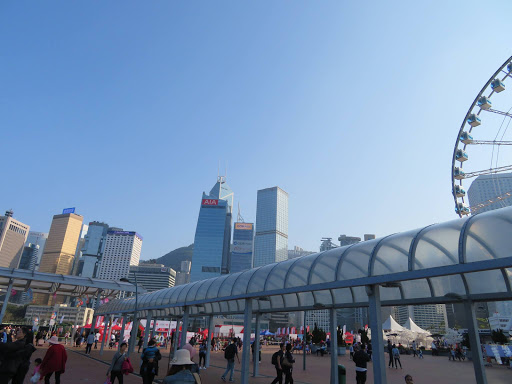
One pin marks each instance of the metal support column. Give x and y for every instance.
(149, 317)
(153, 328)
(209, 341)
(256, 356)
(246, 348)
(379, 361)
(184, 328)
(133, 335)
(176, 337)
(121, 334)
(334, 345)
(304, 343)
(474, 342)
(108, 335)
(6, 301)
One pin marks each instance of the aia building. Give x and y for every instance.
(211, 257)
(242, 249)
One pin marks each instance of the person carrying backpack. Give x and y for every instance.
(277, 359)
(229, 354)
(150, 357)
(396, 356)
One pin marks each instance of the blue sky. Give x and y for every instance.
(124, 110)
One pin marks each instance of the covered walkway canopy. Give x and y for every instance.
(462, 260)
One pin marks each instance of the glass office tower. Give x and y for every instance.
(271, 240)
(211, 256)
(241, 252)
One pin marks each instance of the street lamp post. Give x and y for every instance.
(134, 325)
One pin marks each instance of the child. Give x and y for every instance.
(420, 353)
(36, 376)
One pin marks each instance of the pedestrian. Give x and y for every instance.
(396, 356)
(287, 365)
(390, 352)
(192, 351)
(229, 354)
(140, 343)
(54, 361)
(179, 372)
(66, 337)
(90, 341)
(23, 356)
(350, 349)
(408, 379)
(414, 348)
(36, 375)
(202, 354)
(3, 335)
(150, 358)
(420, 353)
(96, 339)
(369, 350)
(116, 366)
(277, 359)
(361, 359)
(434, 349)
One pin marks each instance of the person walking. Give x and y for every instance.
(229, 354)
(202, 354)
(140, 343)
(390, 352)
(116, 366)
(54, 361)
(414, 348)
(396, 356)
(361, 359)
(287, 365)
(179, 372)
(150, 358)
(23, 336)
(90, 341)
(277, 359)
(96, 339)
(369, 350)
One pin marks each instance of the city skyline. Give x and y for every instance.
(291, 99)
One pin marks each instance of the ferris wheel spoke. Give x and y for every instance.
(498, 112)
(489, 171)
(490, 142)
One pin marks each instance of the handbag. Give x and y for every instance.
(197, 378)
(127, 367)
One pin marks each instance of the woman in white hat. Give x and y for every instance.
(179, 373)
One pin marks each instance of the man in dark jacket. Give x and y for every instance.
(23, 337)
(390, 352)
(13, 359)
(360, 358)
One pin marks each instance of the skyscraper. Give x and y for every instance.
(271, 240)
(37, 238)
(122, 249)
(153, 277)
(487, 187)
(28, 261)
(13, 234)
(211, 255)
(60, 249)
(92, 249)
(242, 250)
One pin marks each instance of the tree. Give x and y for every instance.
(15, 314)
(318, 335)
(499, 337)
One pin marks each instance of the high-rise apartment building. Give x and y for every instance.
(431, 317)
(122, 249)
(271, 240)
(183, 276)
(489, 187)
(242, 250)
(153, 277)
(60, 249)
(39, 239)
(211, 256)
(13, 234)
(92, 249)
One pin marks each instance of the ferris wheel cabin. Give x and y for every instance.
(458, 173)
(462, 209)
(497, 85)
(461, 155)
(509, 67)
(466, 138)
(474, 120)
(459, 191)
(484, 103)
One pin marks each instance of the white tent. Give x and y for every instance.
(391, 325)
(411, 326)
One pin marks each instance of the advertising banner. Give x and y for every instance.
(244, 226)
(242, 246)
(209, 202)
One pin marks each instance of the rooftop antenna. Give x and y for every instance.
(239, 219)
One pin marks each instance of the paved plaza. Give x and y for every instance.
(438, 370)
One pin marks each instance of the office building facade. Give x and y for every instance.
(271, 239)
(183, 276)
(122, 250)
(431, 317)
(13, 234)
(28, 261)
(242, 250)
(212, 240)
(39, 239)
(92, 249)
(60, 249)
(153, 277)
(489, 187)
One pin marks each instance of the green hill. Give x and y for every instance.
(174, 258)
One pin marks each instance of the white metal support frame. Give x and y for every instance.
(256, 355)
(184, 327)
(209, 341)
(334, 345)
(378, 359)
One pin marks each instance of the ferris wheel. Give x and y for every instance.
(481, 143)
